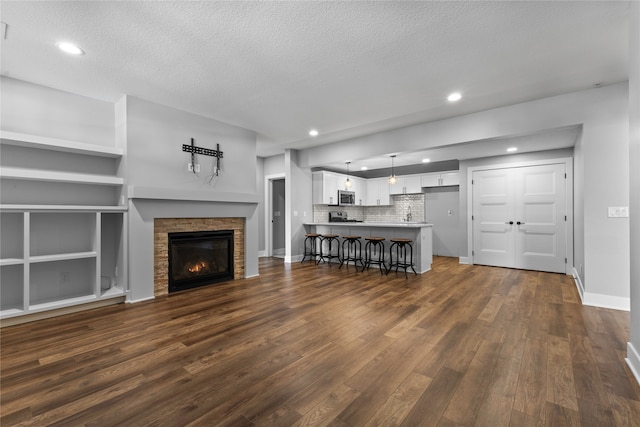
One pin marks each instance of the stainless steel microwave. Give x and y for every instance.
(346, 198)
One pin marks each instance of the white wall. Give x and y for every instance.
(155, 135)
(261, 203)
(298, 202)
(633, 353)
(442, 209)
(40, 110)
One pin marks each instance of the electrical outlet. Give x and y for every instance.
(618, 212)
(190, 167)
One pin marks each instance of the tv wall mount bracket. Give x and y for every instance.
(205, 152)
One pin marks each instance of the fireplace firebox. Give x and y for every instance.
(200, 258)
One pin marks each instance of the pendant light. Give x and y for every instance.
(348, 182)
(393, 178)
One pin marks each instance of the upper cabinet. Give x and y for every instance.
(377, 192)
(326, 185)
(359, 187)
(441, 179)
(407, 184)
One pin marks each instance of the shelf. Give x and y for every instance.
(50, 305)
(76, 178)
(62, 257)
(10, 312)
(61, 208)
(11, 261)
(112, 292)
(42, 142)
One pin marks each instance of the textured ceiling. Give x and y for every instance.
(344, 68)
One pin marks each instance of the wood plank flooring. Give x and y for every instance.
(307, 345)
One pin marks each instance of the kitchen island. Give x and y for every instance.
(420, 233)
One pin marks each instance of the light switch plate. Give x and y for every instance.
(619, 212)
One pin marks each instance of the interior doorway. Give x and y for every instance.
(277, 218)
(274, 216)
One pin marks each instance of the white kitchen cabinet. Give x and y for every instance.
(325, 188)
(407, 184)
(58, 254)
(326, 185)
(359, 187)
(378, 192)
(441, 179)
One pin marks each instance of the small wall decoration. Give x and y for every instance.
(204, 151)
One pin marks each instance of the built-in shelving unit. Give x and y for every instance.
(55, 256)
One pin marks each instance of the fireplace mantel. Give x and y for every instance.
(204, 195)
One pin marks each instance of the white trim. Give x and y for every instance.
(566, 161)
(606, 301)
(134, 301)
(262, 254)
(293, 258)
(633, 361)
(253, 275)
(579, 284)
(464, 260)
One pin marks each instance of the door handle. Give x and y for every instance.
(510, 222)
(520, 223)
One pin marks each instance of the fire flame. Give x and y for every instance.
(197, 267)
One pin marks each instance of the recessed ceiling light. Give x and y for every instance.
(426, 160)
(363, 168)
(512, 149)
(455, 96)
(313, 132)
(70, 48)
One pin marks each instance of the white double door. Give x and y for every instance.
(519, 217)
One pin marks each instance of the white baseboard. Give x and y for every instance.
(600, 300)
(292, 259)
(262, 254)
(465, 260)
(579, 284)
(633, 360)
(133, 301)
(253, 275)
(606, 301)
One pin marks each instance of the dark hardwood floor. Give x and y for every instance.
(314, 345)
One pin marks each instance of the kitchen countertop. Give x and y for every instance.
(374, 224)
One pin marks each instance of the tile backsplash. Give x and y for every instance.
(396, 212)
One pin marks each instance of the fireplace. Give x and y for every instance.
(200, 258)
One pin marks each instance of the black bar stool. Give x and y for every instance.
(353, 252)
(401, 260)
(330, 239)
(311, 246)
(374, 245)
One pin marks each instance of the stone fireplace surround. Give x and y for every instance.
(163, 226)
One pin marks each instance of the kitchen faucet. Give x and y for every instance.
(408, 214)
